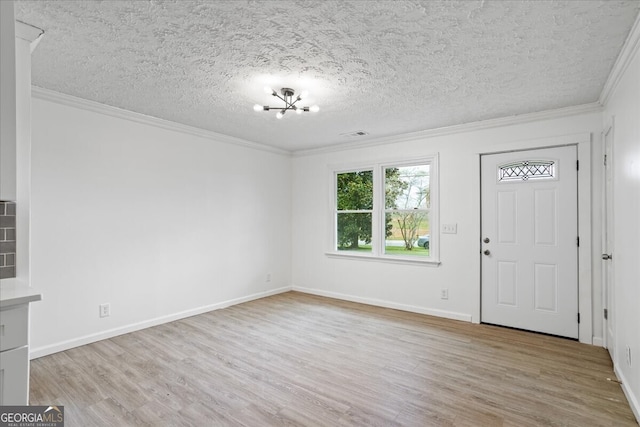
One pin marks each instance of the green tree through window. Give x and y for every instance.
(386, 210)
(355, 203)
(355, 206)
(407, 200)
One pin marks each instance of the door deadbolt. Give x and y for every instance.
(486, 240)
(607, 256)
(487, 252)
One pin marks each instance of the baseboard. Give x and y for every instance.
(597, 341)
(631, 397)
(387, 304)
(88, 339)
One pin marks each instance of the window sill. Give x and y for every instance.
(389, 259)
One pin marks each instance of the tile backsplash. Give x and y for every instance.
(7, 240)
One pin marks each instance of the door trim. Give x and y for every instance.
(608, 280)
(583, 142)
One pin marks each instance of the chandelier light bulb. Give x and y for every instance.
(299, 110)
(304, 94)
(314, 109)
(269, 91)
(258, 107)
(280, 114)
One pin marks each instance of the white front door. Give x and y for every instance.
(607, 240)
(530, 240)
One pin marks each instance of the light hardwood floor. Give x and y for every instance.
(296, 359)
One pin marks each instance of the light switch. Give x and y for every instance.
(449, 228)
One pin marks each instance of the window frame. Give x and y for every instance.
(337, 212)
(378, 237)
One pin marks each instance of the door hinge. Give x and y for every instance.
(605, 160)
(606, 314)
(577, 165)
(578, 241)
(578, 317)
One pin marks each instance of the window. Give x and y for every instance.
(406, 203)
(354, 199)
(529, 169)
(386, 211)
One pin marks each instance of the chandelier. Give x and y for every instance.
(290, 99)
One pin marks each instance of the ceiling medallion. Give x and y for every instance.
(289, 102)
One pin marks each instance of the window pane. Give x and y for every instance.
(355, 191)
(407, 187)
(407, 233)
(354, 232)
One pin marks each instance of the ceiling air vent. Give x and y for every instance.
(354, 134)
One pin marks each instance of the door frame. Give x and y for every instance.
(583, 142)
(608, 280)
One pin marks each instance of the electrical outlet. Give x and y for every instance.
(268, 278)
(444, 293)
(449, 228)
(628, 352)
(105, 310)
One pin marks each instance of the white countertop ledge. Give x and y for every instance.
(16, 292)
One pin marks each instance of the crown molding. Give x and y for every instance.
(96, 107)
(84, 104)
(628, 51)
(30, 33)
(594, 107)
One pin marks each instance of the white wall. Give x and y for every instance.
(158, 223)
(417, 288)
(624, 106)
(7, 102)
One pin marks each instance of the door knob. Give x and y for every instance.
(607, 256)
(487, 252)
(486, 240)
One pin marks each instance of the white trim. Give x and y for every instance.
(88, 339)
(597, 341)
(585, 279)
(603, 243)
(96, 107)
(594, 107)
(29, 33)
(632, 398)
(417, 260)
(73, 101)
(629, 49)
(386, 304)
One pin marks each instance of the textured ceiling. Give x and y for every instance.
(384, 67)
